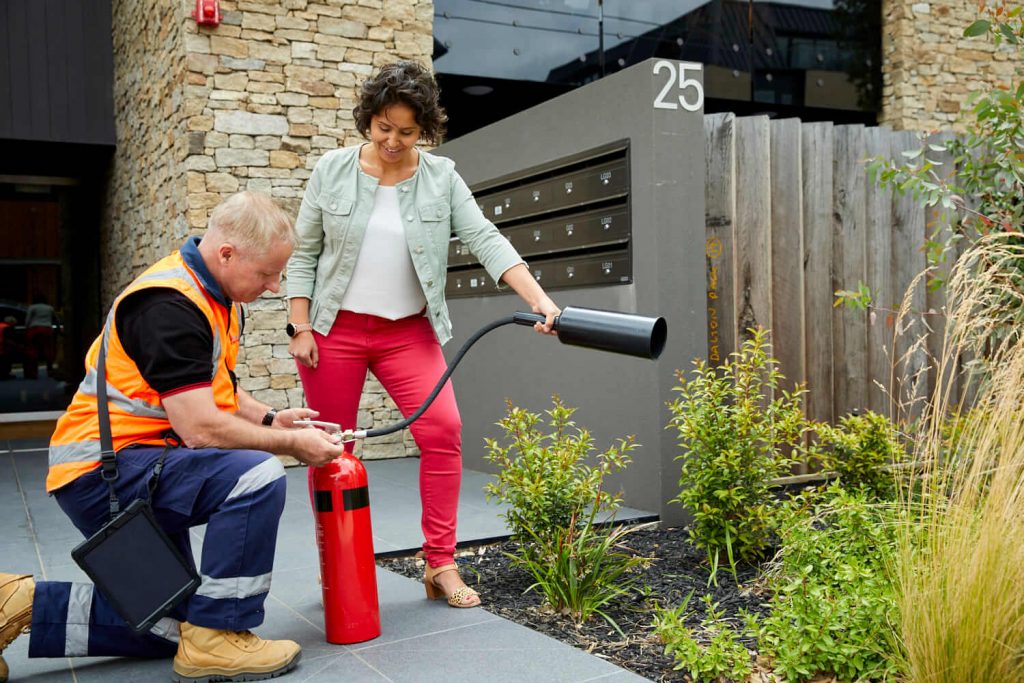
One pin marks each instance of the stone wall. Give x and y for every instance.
(144, 215)
(250, 104)
(928, 67)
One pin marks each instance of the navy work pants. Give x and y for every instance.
(239, 495)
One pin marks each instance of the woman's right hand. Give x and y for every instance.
(303, 349)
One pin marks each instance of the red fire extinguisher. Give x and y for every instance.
(344, 537)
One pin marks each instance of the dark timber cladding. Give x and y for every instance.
(56, 71)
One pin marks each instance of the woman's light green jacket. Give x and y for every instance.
(435, 203)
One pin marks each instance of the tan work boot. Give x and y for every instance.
(206, 655)
(16, 593)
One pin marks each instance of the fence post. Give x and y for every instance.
(816, 153)
(720, 240)
(849, 246)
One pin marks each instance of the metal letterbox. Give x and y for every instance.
(565, 219)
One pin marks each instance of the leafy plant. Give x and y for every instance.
(738, 430)
(834, 600)
(862, 450)
(545, 477)
(581, 568)
(716, 655)
(989, 178)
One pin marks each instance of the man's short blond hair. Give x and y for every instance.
(252, 222)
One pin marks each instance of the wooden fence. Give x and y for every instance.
(792, 217)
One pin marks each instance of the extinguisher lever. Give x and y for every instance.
(352, 435)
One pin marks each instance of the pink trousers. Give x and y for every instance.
(405, 356)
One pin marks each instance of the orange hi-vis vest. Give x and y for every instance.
(136, 413)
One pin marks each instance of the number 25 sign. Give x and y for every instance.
(679, 90)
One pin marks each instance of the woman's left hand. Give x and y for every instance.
(285, 419)
(546, 307)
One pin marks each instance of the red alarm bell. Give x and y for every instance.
(207, 13)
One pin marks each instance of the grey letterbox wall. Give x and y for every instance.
(571, 219)
(632, 146)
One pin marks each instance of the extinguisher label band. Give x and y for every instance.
(354, 499)
(322, 501)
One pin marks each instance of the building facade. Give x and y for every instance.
(195, 113)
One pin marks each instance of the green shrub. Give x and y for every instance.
(581, 567)
(545, 478)
(862, 450)
(738, 430)
(833, 607)
(721, 654)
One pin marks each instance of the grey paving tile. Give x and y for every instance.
(497, 650)
(344, 667)
(404, 610)
(25, 670)
(56, 552)
(296, 553)
(105, 669)
(284, 622)
(19, 558)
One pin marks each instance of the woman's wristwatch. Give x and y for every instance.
(292, 329)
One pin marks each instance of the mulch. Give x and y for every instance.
(677, 568)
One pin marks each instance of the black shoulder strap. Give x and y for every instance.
(108, 458)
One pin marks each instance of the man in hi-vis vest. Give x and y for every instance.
(171, 342)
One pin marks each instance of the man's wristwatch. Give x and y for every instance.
(292, 329)
(268, 419)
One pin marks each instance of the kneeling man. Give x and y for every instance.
(171, 341)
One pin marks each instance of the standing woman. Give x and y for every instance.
(366, 288)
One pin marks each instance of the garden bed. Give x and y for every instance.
(677, 568)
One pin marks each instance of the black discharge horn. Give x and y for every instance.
(632, 335)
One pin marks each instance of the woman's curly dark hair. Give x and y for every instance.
(405, 82)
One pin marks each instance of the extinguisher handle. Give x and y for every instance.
(531, 319)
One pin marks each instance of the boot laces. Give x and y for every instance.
(245, 638)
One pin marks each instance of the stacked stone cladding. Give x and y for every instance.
(929, 68)
(251, 104)
(146, 199)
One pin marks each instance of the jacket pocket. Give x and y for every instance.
(436, 219)
(337, 213)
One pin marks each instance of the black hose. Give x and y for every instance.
(444, 378)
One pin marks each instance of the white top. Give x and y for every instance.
(384, 282)
(39, 315)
